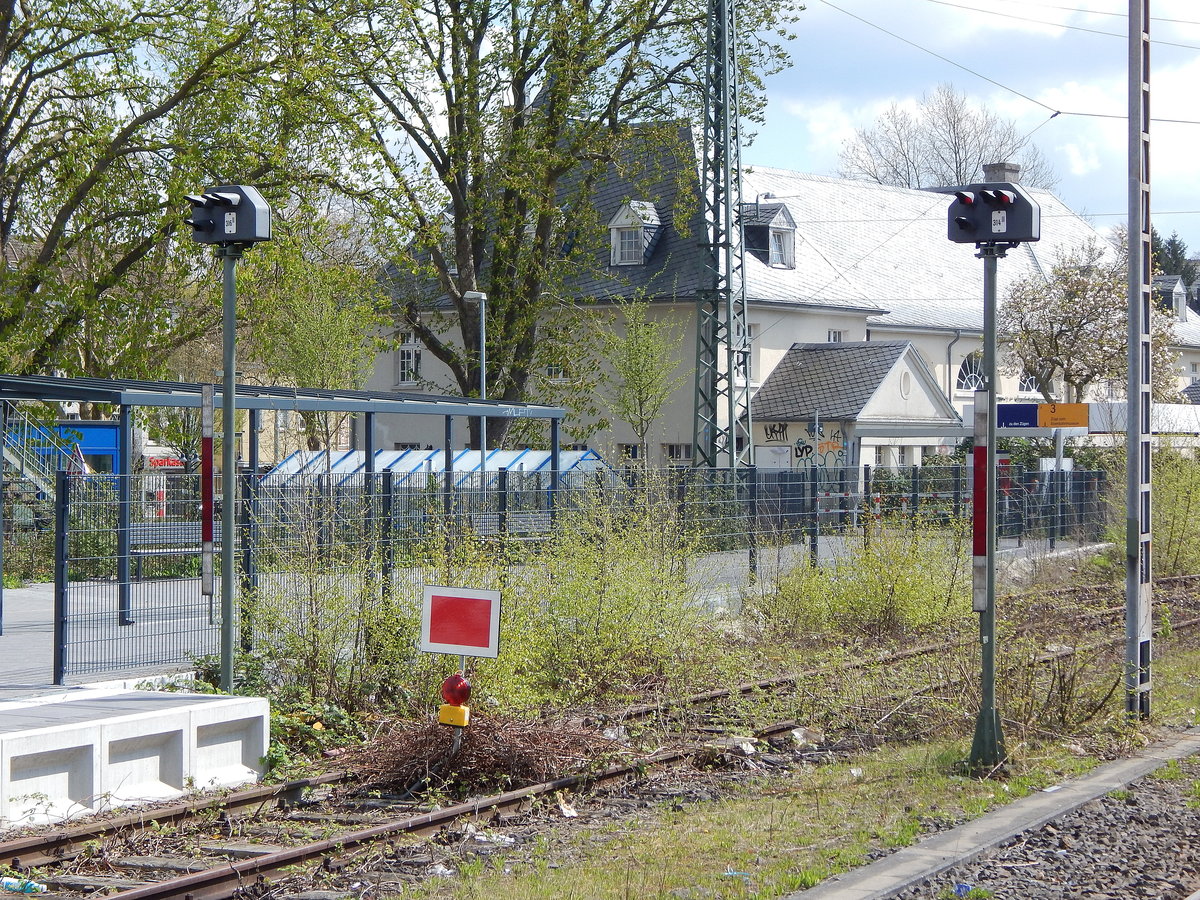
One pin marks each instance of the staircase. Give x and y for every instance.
(33, 452)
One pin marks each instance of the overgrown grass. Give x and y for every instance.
(904, 576)
(766, 839)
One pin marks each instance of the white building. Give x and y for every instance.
(828, 260)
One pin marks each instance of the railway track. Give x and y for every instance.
(251, 843)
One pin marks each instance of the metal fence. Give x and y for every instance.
(127, 554)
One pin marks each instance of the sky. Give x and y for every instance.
(1028, 60)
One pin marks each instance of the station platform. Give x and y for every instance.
(73, 750)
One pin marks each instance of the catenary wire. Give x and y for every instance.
(1001, 85)
(1004, 15)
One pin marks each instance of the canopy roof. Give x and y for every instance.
(179, 395)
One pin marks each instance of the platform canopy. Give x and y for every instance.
(183, 395)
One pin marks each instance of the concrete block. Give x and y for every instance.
(66, 758)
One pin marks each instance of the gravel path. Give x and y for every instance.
(1139, 842)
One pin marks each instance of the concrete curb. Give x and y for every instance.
(939, 852)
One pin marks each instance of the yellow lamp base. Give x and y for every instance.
(449, 714)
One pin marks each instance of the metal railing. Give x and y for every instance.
(33, 451)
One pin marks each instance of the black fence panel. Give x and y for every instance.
(131, 595)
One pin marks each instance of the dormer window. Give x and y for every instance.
(778, 249)
(634, 231)
(770, 233)
(629, 247)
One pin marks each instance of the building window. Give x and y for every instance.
(1028, 384)
(678, 453)
(406, 445)
(835, 336)
(448, 246)
(627, 451)
(408, 358)
(970, 373)
(1195, 373)
(556, 374)
(629, 246)
(634, 230)
(780, 249)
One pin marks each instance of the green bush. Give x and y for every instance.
(1175, 513)
(904, 576)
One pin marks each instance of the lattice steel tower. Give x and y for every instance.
(721, 435)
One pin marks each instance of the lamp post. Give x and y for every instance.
(481, 298)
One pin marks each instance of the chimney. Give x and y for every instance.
(1001, 171)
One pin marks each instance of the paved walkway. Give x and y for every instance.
(944, 850)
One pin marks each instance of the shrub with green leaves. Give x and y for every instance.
(904, 576)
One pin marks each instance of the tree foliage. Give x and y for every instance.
(1071, 328)
(1171, 257)
(490, 124)
(315, 314)
(944, 141)
(643, 354)
(109, 113)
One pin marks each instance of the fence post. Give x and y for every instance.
(248, 531)
(916, 494)
(3, 486)
(868, 506)
(814, 526)
(387, 532)
(1024, 496)
(502, 502)
(325, 513)
(752, 521)
(62, 499)
(555, 463)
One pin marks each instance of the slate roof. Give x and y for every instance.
(832, 380)
(887, 247)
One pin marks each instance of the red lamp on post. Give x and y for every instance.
(456, 691)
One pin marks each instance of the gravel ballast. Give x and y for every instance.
(1142, 841)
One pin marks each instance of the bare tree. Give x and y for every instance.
(944, 141)
(1070, 328)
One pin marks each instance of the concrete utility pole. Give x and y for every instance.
(1138, 572)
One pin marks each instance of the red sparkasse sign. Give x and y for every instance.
(461, 621)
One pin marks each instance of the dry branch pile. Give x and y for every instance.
(496, 754)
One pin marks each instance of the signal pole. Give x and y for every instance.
(995, 216)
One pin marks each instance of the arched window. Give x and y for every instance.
(970, 373)
(1028, 384)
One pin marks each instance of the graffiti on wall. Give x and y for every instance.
(821, 446)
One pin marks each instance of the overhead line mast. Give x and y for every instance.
(722, 427)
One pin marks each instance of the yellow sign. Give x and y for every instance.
(1062, 415)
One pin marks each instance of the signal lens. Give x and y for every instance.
(456, 690)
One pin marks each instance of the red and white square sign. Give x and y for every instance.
(462, 621)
